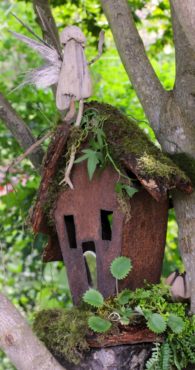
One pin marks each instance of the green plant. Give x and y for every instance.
(98, 154)
(150, 306)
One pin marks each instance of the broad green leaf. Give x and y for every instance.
(156, 323)
(98, 324)
(120, 267)
(176, 323)
(94, 298)
(124, 296)
(92, 164)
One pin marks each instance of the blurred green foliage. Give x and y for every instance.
(29, 283)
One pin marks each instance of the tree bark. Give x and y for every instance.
(186, 14)
(19, 343)
(20, 130)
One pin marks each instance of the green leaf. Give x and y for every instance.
(118, 187)
(156, 323)
(81, 159)
(130, 190)
(100, 137)
(124, 296)
(98, 324)
(120, 267)
(176, 323)
(129, 312)
(92, 164)
(94, 298)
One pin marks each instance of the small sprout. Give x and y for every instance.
(99, 325)
(120, 267)
(94, 298)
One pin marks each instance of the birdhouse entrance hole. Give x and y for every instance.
(106, 222)
(70, 229)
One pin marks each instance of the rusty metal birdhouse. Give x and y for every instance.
(93, 216)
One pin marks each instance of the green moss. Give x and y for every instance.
(63, 332)
(186, 163)
(126, 139)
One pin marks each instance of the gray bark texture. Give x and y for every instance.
(19, 343)
(171, 113)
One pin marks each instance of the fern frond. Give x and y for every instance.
(154, 361)
(165, 356)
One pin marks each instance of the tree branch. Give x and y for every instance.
(19, 343)
(186, 14)
(47, 23)
(20, 130)
(134, 58)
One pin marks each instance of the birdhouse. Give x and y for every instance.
(94, 217)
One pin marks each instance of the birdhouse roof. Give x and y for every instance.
(129, 146)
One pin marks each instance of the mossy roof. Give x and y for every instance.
(131, 147)
(128, 145)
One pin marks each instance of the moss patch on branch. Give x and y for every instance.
(63, 332)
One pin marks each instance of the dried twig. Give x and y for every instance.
(29, 150)
(66, 178)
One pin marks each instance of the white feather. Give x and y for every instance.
(44, 76)
(48, 53)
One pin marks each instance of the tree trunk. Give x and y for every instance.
(19, 343)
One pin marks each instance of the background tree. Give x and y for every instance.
(168, 103)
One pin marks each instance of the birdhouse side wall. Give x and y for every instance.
(144, 237)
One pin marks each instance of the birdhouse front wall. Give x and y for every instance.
(89, 218)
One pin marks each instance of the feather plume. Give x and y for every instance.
(48, 74)
(47, 52)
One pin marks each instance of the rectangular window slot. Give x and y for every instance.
(90, 262)
(106, 223)
(70, 229)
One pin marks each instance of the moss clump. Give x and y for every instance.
(63, 332)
